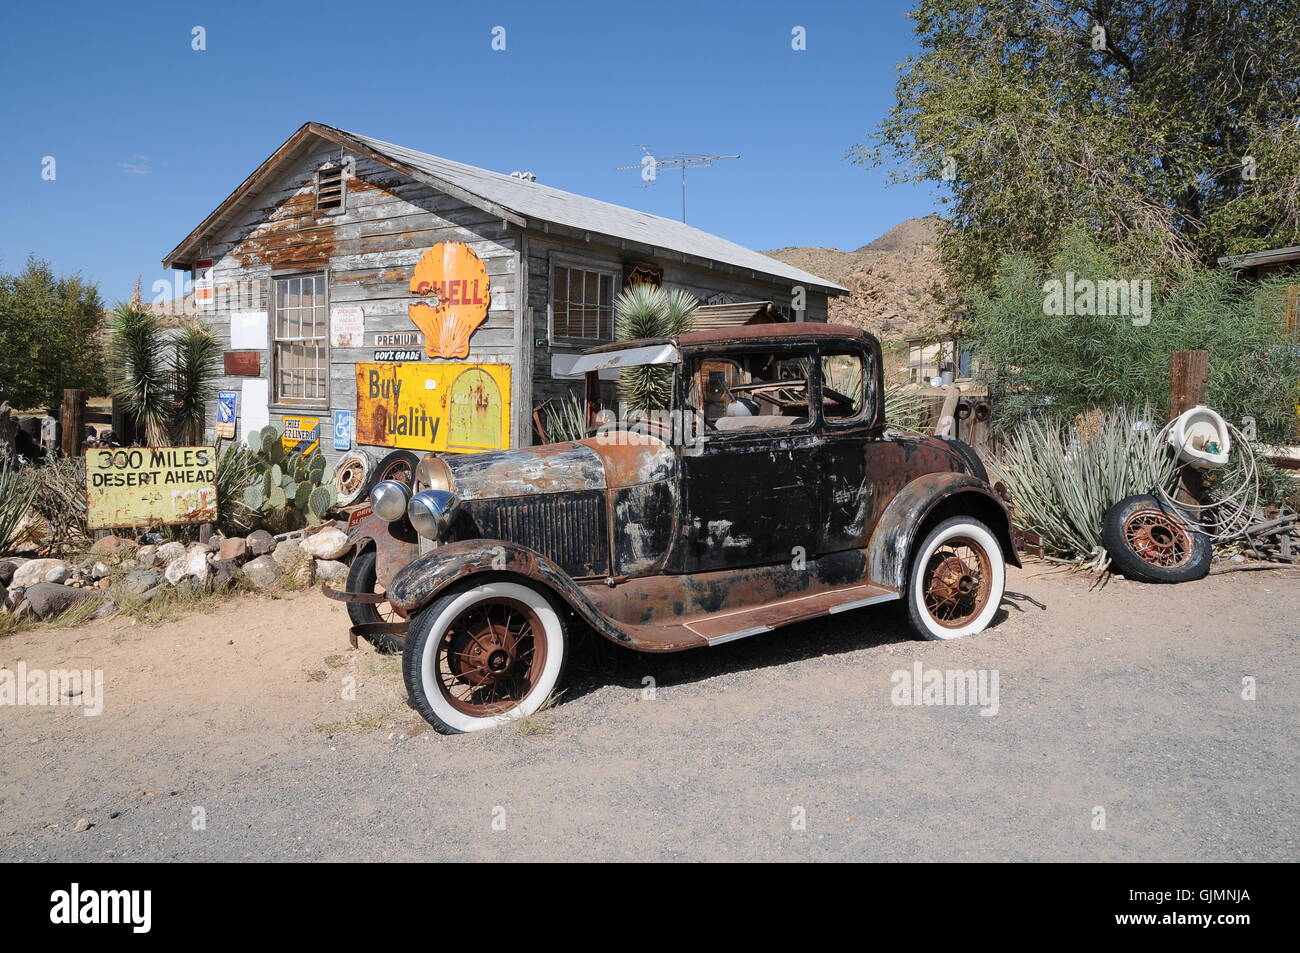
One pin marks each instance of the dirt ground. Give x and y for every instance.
(227, 736)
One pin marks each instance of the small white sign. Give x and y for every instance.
(254, 399)
(248, 330)
(347, 327)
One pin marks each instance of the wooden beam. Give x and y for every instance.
(72, 422)
(1188, 371)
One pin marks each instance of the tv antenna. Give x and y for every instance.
(650, 165)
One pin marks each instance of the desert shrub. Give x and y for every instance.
(1064, 476)
(59, 498)
(644, 311)
(1067, 364)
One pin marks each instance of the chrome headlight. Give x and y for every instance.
(432, 512)
(388, 499)
(432, 473)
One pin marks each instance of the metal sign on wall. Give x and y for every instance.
(455, 282)
(147, 486)
(300, 434)
(460, 408)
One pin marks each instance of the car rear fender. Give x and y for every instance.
(920, 504)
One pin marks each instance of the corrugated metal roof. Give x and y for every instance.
(546, 204)
(734, 314)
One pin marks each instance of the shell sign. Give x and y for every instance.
(456, 281)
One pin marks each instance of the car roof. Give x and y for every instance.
(782, 331)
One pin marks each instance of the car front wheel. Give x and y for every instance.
(957, 580)
(482, 655)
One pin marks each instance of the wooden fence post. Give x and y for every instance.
(72, 422)
(1187, 373)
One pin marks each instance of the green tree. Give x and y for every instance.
(49, 336)
(1169, 128)
(1065, 364)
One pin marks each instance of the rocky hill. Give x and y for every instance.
(895, 282)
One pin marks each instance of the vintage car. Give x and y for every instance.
(771, 491)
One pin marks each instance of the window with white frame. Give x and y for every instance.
(299, 327)
(582, 303)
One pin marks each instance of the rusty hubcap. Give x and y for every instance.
(957, 582)
(1158, 538)
(490, 657)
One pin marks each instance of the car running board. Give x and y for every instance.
(720, 628)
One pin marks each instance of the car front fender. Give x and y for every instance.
(395, 544)
(929, 498)
(421, 580)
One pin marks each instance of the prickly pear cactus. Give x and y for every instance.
(287, 490)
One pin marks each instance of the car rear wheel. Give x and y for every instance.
(483, 655)
(957, 580)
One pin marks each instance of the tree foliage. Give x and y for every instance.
(1067, 364)
(49, 336)
(1171, 129)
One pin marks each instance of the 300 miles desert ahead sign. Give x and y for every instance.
(151, 486)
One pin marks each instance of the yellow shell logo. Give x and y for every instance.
(456, 282)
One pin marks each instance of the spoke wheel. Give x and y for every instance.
(483, 654)
(957, 582)
(490, 657)
(1158, 538)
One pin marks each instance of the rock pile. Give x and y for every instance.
(118, 567)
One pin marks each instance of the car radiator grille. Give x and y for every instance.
(568, 528)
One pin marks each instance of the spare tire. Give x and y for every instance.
(399, 465)
(352, 476)
(1148, 540)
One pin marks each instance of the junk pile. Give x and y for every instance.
(1166, 537)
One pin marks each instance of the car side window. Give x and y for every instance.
(752, 391)
(844, 390)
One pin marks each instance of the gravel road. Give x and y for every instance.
(1118, 731)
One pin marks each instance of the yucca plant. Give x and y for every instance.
(16, 495)
(137, 372)
(646, 311)
(194, 373)
(165, 385)
(1063, 477)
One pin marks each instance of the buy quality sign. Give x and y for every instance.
(459, 408)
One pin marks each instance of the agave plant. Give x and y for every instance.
(165, 385)
(646, 311)
(566, 418)
(16, 496)
(1063, 477)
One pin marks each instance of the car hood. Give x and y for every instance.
(593, 464)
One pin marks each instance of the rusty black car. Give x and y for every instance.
(771, 491)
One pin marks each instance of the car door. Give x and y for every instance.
(749, 483)
(847, 376)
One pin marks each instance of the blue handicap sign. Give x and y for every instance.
(342, 430)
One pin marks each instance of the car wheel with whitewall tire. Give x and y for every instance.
(956, 581)
(484, 654)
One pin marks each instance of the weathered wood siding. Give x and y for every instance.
(368, 252)
(541, 250)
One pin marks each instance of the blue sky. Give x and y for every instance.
(149, 135)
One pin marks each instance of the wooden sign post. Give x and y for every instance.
(1187, 373)
(72, 423)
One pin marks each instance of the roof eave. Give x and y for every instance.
(184, 251)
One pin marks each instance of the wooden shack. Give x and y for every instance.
(368, 294)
